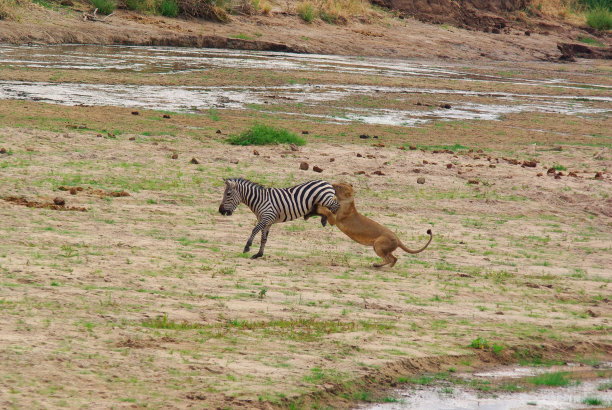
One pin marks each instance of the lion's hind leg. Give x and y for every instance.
(383, 248)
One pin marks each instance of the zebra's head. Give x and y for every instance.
(231, 198)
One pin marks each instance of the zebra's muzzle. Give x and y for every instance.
(224, 211)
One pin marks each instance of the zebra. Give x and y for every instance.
(273, 205)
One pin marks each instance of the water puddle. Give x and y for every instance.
(459, 396)
(322, 96)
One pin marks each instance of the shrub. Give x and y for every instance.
(599, 18)
(146, 6)
(168, 8)
(7, 9)
(306, 11)
(260, 134)
(206, 9)
(104, 6)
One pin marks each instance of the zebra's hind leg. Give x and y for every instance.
(264, 239)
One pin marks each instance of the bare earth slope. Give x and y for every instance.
(382, 35)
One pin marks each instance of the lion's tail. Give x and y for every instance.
(401, 245)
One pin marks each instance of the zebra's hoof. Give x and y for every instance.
(257, 255)
(246, 249)
(323, 220)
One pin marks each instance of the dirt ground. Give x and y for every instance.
(146, 300)
(380, 33)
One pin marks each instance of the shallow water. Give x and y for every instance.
(197, 99)
(448, 396)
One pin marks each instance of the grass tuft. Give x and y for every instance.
(168, 8)
(306, 11)
(260, 134)
(550, 379)
(599, 18)
(104, 6)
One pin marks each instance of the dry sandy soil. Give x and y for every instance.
(380, 34)
(145, 300)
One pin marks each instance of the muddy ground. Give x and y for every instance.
(378, 32)
(146, 300)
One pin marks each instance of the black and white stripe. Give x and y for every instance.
(273, 205)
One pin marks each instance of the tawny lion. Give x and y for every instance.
(364, 230)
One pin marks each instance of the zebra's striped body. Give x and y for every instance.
(273, 205)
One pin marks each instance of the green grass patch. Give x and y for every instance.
(593, 401)
(599, 18)
(590, 40)
(104, 6)
(260, 134)
(306, 11)
(550, 379)
(168, 8)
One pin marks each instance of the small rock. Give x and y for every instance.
(491, 166)
(499, 313)
(551, 171)
(135, 113)
(558, 148)
(528, 33)
(218, 131)
(234, 161)
(174, 156)
(2, 150)
(425, 161)
(530, 164)
(305, 132)
(317, 169)
(73, 191)
(59, 201)
(540, 174)
(446, 106)
(359, 156)
(420, 180)
(293, 147)
(480, 151)
(255, 152)
(166, 116)
(412, 147)
(402, 148)
(416, 171)
(558, 176)
(473, 182)
(194, 160)
(132, 138)
(599, 175)
(378, 172)
(449, 166)
(360, 173)
(364, 136)
(332, 159)
(572, 174)
(304, 166)
(561, 174)
(379, 145)
(370, 156)
(495, 31)
(67, 3)
(418, 103)
(591, 313)
(99, 135)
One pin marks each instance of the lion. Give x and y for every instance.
(364, 230)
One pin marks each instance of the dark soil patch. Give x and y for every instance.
(38, 204)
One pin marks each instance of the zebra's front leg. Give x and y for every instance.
(256, 230)
(264, 239)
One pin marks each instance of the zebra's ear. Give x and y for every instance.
(230, 184)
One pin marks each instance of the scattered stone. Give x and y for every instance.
(255, 152)
(425, 161)
(332, 159)
(99, 135)
(117, 194)
(359, 156)
(2, 150)
(412, 147)
(473, 182)
(540, 174)
(445, 106)
(378, 172)
(218, 131)
(293, 147)
(305, 132)
(317, 169)
(166, 116)
(364, 136)
(599, 175)
(59, 201)
(572, 174)
(492, 166)
(499, 313)
(360, 173)
(558, 176)
(551, 171)
(132, 138)
(449, 166)
(480, 151)
(379, 145)
(459, 172)
(370, 156)
(234, 161)
(558, 148)
(174, 156)
(304, 166)
(530, 164)
(135, 113)
(561, 174)
(416, 171)
(418, 103)
(591, 313)
(495, 31)
(421, 180)
(67, 3)
(73, 191)
(527, 33)
(194, 160)
(402, 148)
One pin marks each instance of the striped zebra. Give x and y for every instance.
(273, 205)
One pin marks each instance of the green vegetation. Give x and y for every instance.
(7, 9)
(550, 379)
(590, 40)
(260, 134)
(599, 18)
(306, 11)
(104, 6)
(480, 343)
(168, 8)
(593, 401)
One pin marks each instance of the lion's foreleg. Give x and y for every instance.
(324, 211)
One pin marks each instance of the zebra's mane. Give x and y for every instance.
(248, 182)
